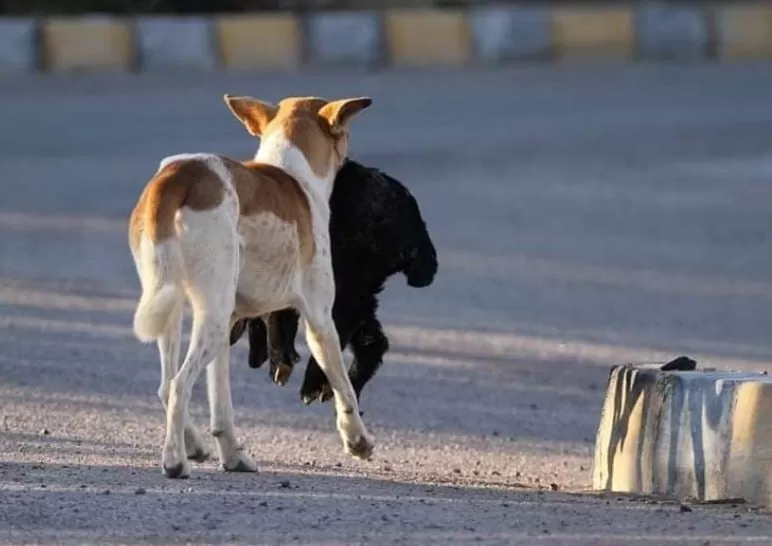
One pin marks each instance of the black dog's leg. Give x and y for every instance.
(258, 340)
(282, 330)
(238, 330)
(258, 352)
(368, 344)
(314, 382)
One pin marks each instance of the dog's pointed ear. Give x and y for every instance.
(339, 113)
(253, 113)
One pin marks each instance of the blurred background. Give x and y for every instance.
(204, 6)
(604, 202)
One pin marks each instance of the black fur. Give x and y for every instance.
(681, 364)
(376, 230)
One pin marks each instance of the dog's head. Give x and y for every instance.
(316, 128)
(421, 265)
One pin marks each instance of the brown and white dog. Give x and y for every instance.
(242, 239)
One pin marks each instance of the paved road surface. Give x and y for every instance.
(583, 218)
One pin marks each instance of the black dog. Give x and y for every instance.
(376, 230)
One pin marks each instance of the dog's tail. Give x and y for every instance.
(159, 257)
(155, 309)
(162, 289)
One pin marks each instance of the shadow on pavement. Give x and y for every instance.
(134, 505)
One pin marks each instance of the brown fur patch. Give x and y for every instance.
(186, 182)
(300, 122)
(265, 188)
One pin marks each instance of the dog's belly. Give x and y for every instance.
(270, 265)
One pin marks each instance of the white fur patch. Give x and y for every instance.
(279, 151)
(180, 157)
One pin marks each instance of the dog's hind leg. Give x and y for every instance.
(169, 349)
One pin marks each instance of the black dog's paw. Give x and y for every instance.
(280, 372)
(282, 365)
(311, 392)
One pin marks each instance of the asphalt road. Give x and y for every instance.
(583, 218)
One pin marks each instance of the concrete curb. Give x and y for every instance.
(425, 37)
(486, 35)
(259, 42)
(671, 32)
(744, 31)
(165, 43)
(592, 32)
(691, 434)
(17, 45)
(91, 43)
(506, 33)
(345, 38)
